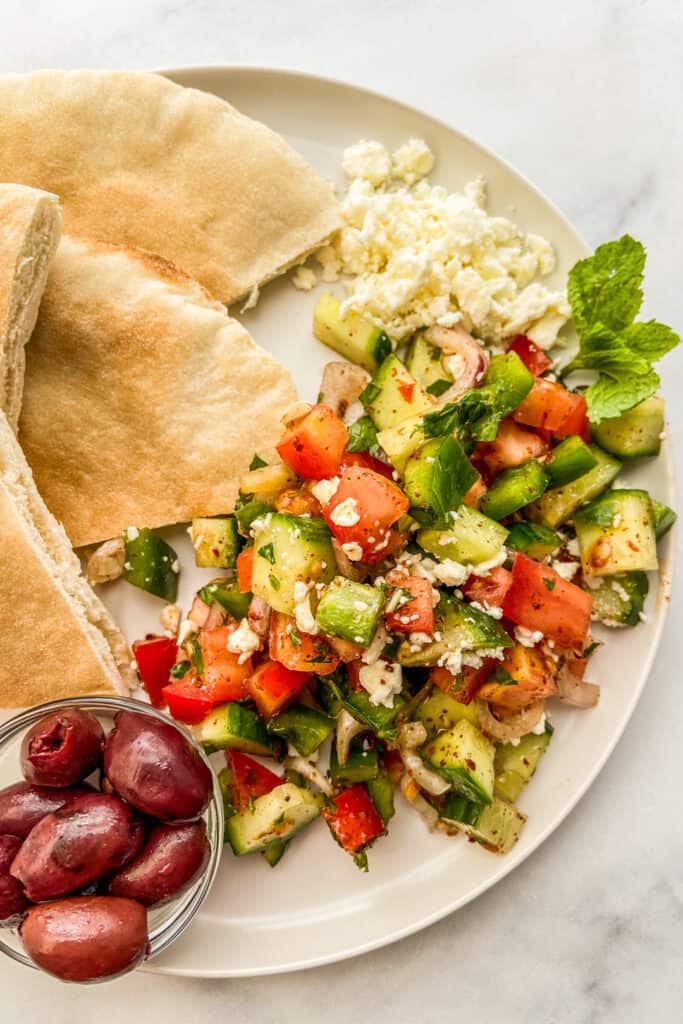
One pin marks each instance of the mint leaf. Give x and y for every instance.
(363, 437)
(650, 339)
(452, 476)
(610, 396)
(606, 287)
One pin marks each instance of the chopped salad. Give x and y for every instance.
(409, 591)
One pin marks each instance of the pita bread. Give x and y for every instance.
(30, 225)
(58, 639)
(144, 401)
(138, 160)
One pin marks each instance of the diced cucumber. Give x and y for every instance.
(352, 336)
(288, 548)
(533, 540)
(497, 827)
(559, 504)
(381, 790)
(361, 765)
(426, 365)
(457, 810)
(350, 610)
(511, 382)
(304, 727)
(635, 433)
(616, 533)
(438, 475)
(440, 711)
(619, 600)
(233, 726)
(276, 816)
(464, 756)
(376, 716)
(461, 628)
(393, 395)
(514, 489)
(226, 793)
(471, 538)
(570, 459)
(151, 564)
(274, 851)
(216, 542)
(664, 518)
(401, 441)
(329, 694)
(515, 764)
(226, 593)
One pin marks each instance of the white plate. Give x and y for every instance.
(316, 907)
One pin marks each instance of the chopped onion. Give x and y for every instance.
(575, 691)
(455, 341)
(347, 728)
(295, 412)
(107, 561)
(342, 384)
(259, 616)
(410, 736)
(414, 797)
(310, 773)
(352, 570)
(514, 726)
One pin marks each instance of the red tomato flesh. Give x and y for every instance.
(540, 599)
(354, 822)
(534, 358)
(576, 422)
(187, 700)
(272, 687)
(314, 446)
(155, 657)
(417, 615)
(466, 685)
(489, 590)
(299, 651)
(377, 502)
(245, 570)
(549, 406)
(367, 461)
(513, 446)
(223, 676)
(248, 779)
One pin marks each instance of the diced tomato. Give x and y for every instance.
(298, 503)
(206, 616)
(367, 461)
(534, 358)
(416, 615)
(576, 422)
(551, 407)
(313, 447)
(223, 676)
(245, 569)
(155, 657)
(533, 673)
(540, 599)
(513, 446)
(407, 389)
(354, 822)
(272, 686)
(188, 700)
(475, 493)
(248, 779)
(299, 651)
(489, 590)
(465, 686)
(377, 502)
(393, 544)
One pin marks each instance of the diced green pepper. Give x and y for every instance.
(302, 726)
(151, 564)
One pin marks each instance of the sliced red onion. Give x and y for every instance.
(455, 341)
(259, 616)
(342, 384)
(423, 808)
(347, 728)
(410, 736)
(514, 726)
(575, 691)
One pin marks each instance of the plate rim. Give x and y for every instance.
(660, 612)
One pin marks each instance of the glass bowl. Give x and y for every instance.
(167, 922)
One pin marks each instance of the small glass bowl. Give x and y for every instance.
(167, 922)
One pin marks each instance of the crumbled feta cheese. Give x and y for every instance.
(361, 606)
(346, 513)
(127, 566)
(539, 728)
(527, 637)
(381, 681)
(132, 533)
(455, 365)
(572, 547)
(353, 551)
(374, 651)
(170, 618)
(354, 412)
(303, 614)
(186, 629)
(324, 490)
(329, 262)
(619, 590)
(451, 573)
(367, 161)
(304, 279)
(642, 616)
(495, 613)
(567, 570)
(421, 255)
(244, 641)
(175, 566)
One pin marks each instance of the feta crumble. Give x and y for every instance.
(346, 513)
(244, 641)
(304, 279)
(381, 680)
(353, 551)
(324, 490)
(567, 570)
(527, 637)
(303, 614)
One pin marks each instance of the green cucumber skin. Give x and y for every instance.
(304, 727)
(149, 564)
(616, 533)
(461, 627)
(216, 542)
(226, 593)
(234, 726)
(664, 518)
(361, 765)
(339, 613)
(472, 538)
(383, 400)
(352, 336)
(559, 504)
(609, 604)
(533, 539)
(571, 458)
(514, 489)
(289, 548)
(275, 817)
(634, 434)
(464, 757)
(381, 790)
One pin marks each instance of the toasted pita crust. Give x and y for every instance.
(58, 639)
(144, 401)
(136, 159)
(30, 226)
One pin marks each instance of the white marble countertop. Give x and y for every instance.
(584, 98)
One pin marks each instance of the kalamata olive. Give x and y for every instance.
(152, 766)
(22, 805)
(86, 938)
(173, 857)
(12, 897)
(92, 836)
(62, 748)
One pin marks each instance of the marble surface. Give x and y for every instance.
(584, 98)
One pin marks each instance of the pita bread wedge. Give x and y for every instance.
(58, 639)
(138, 160)
(144, 402)
(30, 226)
